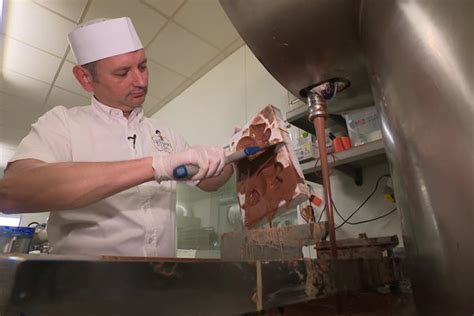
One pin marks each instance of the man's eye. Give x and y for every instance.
(142, 67)
(121, 74)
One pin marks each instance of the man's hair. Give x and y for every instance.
(91, 67)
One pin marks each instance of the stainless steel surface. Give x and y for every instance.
(287, 37)
(316, 107)
(420, 55)
(68, 285)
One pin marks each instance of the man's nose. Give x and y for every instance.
(140, 78)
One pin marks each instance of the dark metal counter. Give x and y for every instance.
(72, 285)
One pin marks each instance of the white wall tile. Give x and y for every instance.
(71, 9)
(67, 81)
(208, 110)
(2, 110)
(29, 61)
(167, 7)
(62, 97)
(147, 22)
(180, 50)
(262, 88)
(177, 91)
(11, 137)
(162, 81)
(37, 26)
(19, 114)
(150, 102)
(23, 87)
(211, 64)
(235, 45)
(70, 57)
(18, 121)
(207, 19)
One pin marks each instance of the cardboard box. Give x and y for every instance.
(304, 144)
(363, 125)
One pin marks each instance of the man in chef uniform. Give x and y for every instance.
(105, 171)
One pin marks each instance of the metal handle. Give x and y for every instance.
(187, 171)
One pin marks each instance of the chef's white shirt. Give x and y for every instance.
(139, 221)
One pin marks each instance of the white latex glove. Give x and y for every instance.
(236, 130)
(209, 159)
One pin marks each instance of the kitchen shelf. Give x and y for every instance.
(299, 118)
(350, 161)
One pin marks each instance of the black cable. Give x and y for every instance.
(337, 212)
(32, 224)
(373, 219)
(346, 220)
(364, 221)
(313, 218)
(322, 212)
(335, 208)
(365, 201)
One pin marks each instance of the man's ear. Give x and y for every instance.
(84, 77)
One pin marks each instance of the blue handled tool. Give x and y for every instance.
(187, 171)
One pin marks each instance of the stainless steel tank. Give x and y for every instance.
(417, 59)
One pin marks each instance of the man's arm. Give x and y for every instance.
(212, 184)
(31, 185)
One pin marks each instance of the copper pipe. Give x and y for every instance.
(319, 126)
(317, 115)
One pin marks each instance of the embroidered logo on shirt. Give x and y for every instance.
(161, 142)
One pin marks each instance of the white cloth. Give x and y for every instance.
(139, 221)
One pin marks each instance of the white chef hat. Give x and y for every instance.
(102, 38)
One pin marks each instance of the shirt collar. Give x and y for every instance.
(110, 112)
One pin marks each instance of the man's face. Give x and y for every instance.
(122, 81)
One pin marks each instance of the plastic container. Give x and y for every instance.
(337, 144)
(363, 125)
(303, 143)
(346, 142)
(15, 239)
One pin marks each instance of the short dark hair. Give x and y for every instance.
(91, 67)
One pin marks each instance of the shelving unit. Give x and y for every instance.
(351, 161)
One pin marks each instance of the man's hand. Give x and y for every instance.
(209, 159)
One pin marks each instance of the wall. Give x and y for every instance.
(34, 217)
(229, 96)
(348, 196)
(224, 98)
